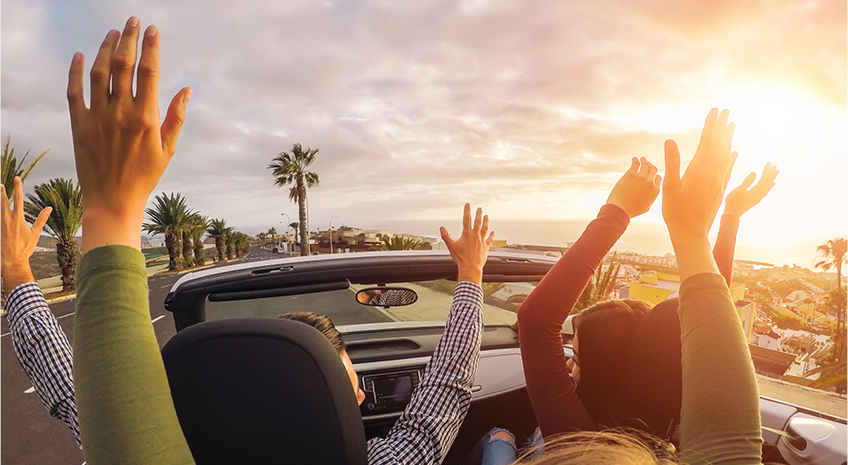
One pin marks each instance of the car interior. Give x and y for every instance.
(391, 307)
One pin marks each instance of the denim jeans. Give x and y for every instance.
(493, 451)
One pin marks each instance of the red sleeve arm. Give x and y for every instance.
(540, 318)
(725, 246)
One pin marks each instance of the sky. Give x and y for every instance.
(531, 110)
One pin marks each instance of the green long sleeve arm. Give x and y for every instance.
(720, 415)
(126, 414)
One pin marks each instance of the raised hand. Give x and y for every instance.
(744, 197)
(121, 149)
(690, 203)
(18, 238)
(470, 251)
(636, 191)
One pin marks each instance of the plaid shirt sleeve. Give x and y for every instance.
(426, 429)
(44, 352)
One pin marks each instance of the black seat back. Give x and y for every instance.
(263, 391)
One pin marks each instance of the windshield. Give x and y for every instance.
(500, 304)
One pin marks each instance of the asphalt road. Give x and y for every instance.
(29, 434)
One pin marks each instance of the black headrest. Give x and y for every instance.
(263, 391)
(654, 387)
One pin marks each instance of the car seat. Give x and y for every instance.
(263, 391)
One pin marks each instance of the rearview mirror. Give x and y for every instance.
(386, 296)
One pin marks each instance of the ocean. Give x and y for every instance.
(648, 238)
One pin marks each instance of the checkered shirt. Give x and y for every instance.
(44, 352)
(426, 429)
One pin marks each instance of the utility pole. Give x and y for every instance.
(331, 233)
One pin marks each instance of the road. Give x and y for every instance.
(30, 435)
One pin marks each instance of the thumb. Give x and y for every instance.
(446, 237)
(174, 120)
(672, 165)
(748, 182)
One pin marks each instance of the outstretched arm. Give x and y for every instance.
(540, 318)
(739, 201)
(40, 345)
(720, 419)
(428, 426)
(126, 414)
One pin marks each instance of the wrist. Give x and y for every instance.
(14, 276)
(472, 275)
(101, 227)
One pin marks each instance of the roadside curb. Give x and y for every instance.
(61, 298)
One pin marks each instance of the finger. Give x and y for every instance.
(76, 98)
(39, 223)
(147, 89)
(728, 138)
(19, 197)
(709, 128)
(657, 181)
(101, 70)
(634, 166)
(446, 237)
(748, 182)
(5, 199)
(490, 239)
(123, 60)
(721, 129)
(648, 169)
(174, 120)
(485, 227)
(478, 219)
(466, 219)
(672, 165)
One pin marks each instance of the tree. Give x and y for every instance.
(290, 168)
(11, 167)
(831, 255)
(241, 242)
(199, 224)
(218, 230)
(600, 287)
(65, 197)
(230, 240)
(188, 247)
(273, 233)
(296, 228)
(263, 238)
(397, 242)
(170, 216)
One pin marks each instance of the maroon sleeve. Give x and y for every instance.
(540, 318)
(725, 246)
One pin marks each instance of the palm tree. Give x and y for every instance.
(273, 233)
(199, 224)
(65, 197)
(11, 167)
(832, 255)
(218, 230)
(242, 243)
(296, 228)
(188, 248)
(397, 243)
(262, 238)
(290, 168)
(230, 240)
(599, 288)
(170, 216)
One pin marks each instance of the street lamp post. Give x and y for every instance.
(331, 234)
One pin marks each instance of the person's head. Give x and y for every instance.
(603, 335)
(603, 447)
(323, 324)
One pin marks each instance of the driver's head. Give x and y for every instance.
(323, 324)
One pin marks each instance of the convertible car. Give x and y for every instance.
(391, 308)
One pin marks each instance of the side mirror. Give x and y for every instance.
(386, 297)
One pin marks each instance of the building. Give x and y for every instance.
(654, 287)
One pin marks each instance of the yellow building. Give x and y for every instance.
(654, 287)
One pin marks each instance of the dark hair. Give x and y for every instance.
(605, 333)
(321, 323)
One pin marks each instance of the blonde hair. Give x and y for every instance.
(616, 446)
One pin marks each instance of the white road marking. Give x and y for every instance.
(167, 285)
(4, 335)
(64, 316)
(158, 318)
(30, 390)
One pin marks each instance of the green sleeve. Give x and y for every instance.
(720, 414)
(126, 414)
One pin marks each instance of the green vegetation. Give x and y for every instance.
(219, 230)
(65, 197)
(170, 216)
(12, 167)
(290, 168)
(397, 242)
(832, 256)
